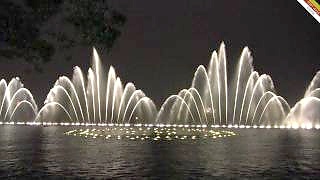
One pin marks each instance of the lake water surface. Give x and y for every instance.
(47, 153)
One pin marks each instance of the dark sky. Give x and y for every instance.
(164, 41)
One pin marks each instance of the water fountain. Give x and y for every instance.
(17, 103)
(250, 101)
(306, 112)
(99, 99)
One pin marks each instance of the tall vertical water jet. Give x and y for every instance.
(99, 98)
(251, 99)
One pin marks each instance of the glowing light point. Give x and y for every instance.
(309, 126)
(296, 126)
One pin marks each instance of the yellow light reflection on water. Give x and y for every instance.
(163, 133)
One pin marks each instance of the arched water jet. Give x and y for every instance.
(314, 84)
(6, 96)
(201, 101)
(117, 92)
(111, 78)
(104, 100)
(166, 103)
(306, 111)
(278, 99)
(217, 72)
(202, 69)
(302, 114)
(180, 106)
(242, 59)
(315, 93)
(137, 93)
(259, 83)
(90, 89)
(128, 89)
(185, 91)
(144, 99)
(259, 102)
(101, 101)
(78, 73)
(222, 59)
(96, 67)
(18, 106)
(3, 95)
(213, 90)
(55, 90)
(53, 104)
(254, 75)
(13, 96)
(215, 58)
(73, 92)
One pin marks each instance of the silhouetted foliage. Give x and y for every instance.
(26, 32)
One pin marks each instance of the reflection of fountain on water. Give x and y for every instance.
(17, 103)
(100, 98)
(151, 133)
(251, 99)
(306, 112)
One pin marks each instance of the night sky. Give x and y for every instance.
(163, 42)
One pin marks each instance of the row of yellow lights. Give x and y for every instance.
(295, 126)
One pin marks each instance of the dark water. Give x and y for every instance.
(45, 152)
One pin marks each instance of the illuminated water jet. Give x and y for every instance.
(250, 100)
(102, 101)
(247, 101)
(306, 112)
(17, 102)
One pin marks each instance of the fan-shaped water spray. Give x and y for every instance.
(17, 103)
(250, 100)
(306, 112)
(99, 98)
